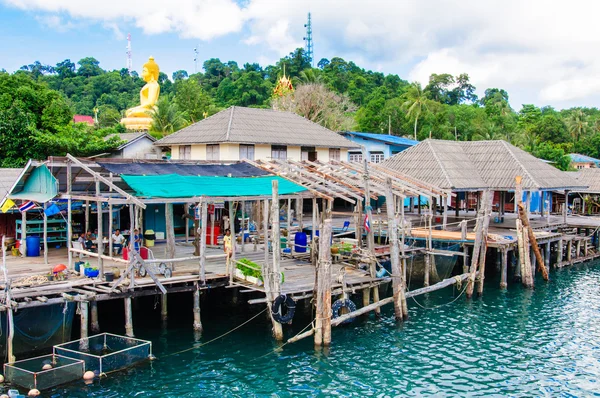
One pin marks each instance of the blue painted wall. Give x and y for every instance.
(154, 218)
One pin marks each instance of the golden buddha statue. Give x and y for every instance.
(140, 117)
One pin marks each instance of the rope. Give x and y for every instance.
(442, 305)
(288, 342)
(218, 337)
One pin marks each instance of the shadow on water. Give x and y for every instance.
(514, 342)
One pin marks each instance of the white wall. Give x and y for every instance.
(138, 150)
(175, 152)
(198, 152)
(323, 154)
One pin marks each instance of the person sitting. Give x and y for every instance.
(95, 234)
(89, 243)
(118, 241)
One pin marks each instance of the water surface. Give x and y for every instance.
(515, 342)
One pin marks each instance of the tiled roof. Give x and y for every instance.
(257, 126)
(477, 165)
(578, 158)
(129, 137)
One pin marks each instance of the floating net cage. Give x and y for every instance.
(29, 373)
(106, 352)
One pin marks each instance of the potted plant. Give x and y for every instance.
(251, 272)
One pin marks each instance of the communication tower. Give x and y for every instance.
(128, 52)
(195, 59)
(309, 41)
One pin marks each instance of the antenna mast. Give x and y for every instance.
(309, 41)
(128, 52)
(195, 59)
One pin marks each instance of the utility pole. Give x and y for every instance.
(128, 52)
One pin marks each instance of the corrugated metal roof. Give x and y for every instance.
(234, 170)
(129, 138)
(7, 179)
(578, 158)
(476, 165)
(257, 126)
(389, 139)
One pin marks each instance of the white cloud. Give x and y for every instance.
(541, 51)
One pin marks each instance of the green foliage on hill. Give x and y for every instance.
(37, 103)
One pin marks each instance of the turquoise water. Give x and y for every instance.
(516, 342)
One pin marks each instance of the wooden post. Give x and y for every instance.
(359, 226)
(243, 224)
(324, 286)
(403, 254)
(487, 206)
(87, 216)
(445, 210)
(523, 241)
(477, 247)
(570, 250)
(110, 230)
(578, 249)
(11, 335)
(94, 314)
(547, 256)
(370, 237)
(186, 210)
(289, 224)
(300, 212)
(533, 241)
(232, 264)
(84, 316)
(272, 274)
(394, 251)
(128, 318)
(266, 228)
(170, 230)
(463, 237)
(561, 252)
(204, 217)
(197, 320)
(164, 314)
(428, 256)
(504, 268)
(69, 229)
(46, 234)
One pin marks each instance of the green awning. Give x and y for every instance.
(177, 186)
(40, 186)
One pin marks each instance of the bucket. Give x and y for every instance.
(78, 265)
(33, 246)
(109, 276)
(300, 240)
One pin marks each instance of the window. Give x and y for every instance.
(308, 153)
(185, 152)
(376, 157)
(355, 157)
(246, 152)
(334, 153)
(212, 151)
(279, 152)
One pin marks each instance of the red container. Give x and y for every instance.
(143, 253)
(212, 235)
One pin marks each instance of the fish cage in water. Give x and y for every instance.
(106, 352)
(30, 373)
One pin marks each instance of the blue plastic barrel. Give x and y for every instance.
(300, 240)
(33, 246)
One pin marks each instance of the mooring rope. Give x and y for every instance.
(288, 341)
(445, 304)
(218, 337)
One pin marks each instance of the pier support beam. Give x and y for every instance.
(561, 252)
(128, 318)
(164, 314)
(197, 320)
(547, 255)
(94, 314)
(323, 316)
(170, 230)
(504, 268)
(272, 273)
(84, 316)
(397, 280)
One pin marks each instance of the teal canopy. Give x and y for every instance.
(40, 186)
(178, 186)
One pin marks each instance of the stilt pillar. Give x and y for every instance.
(128, 318)
(94, 315)
(83, 313)
(197, 320)
(164, 314)
(504, 268)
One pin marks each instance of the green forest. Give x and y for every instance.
(38, 101)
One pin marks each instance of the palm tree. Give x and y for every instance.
(417, 101)
(310, 76)
(577, 123)
(167, 118)
(489, 132)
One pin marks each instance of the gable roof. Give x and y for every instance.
(589, 177)
(83, 119)
(477, 165)
(129, 138)
(578, 158)
(8, 178)
(257, 126)
(388, 139)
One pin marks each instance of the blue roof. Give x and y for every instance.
(577, 158)
(389, 139)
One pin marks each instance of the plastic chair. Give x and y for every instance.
(346, 225)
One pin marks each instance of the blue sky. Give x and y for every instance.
(541, 52)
